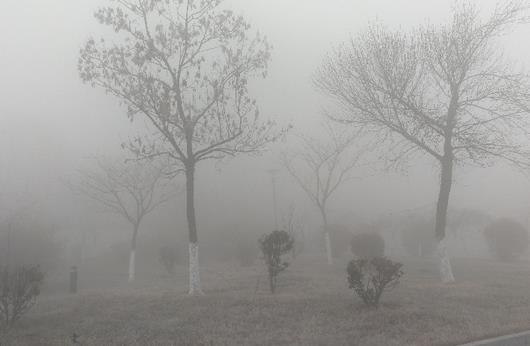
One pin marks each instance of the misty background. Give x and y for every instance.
(52, 125)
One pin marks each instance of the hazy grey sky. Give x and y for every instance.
(50, 121)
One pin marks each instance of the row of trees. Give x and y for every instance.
(185, 66)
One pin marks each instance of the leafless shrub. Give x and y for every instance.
(19, 290)
(369, 278)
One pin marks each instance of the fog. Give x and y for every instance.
(52, 126)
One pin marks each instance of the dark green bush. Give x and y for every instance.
(367, 245)
(273, 246)
(340, 237)
(369, 278)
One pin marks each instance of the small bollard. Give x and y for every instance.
(73, 280)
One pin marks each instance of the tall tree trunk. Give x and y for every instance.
(446, 181)
(132, 255)
(194, 277)
(327, 237)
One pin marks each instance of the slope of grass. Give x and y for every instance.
(313, 306)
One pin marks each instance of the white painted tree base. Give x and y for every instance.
(194, 277)
(328, 248)
(132, 266)
(446, 271)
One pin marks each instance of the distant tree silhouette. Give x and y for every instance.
(129, 189)
(320, 167)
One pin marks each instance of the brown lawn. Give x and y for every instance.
(313, 306)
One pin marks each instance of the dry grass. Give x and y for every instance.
(313, 306)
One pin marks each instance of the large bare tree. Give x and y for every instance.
(129, 189)
(184, 66)
(319, 167)
(442, 90)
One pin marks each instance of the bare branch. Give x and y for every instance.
(320, 167)
(130, 189)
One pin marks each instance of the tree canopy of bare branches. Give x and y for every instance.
(184, 66)
(442, 90)
(320, 167)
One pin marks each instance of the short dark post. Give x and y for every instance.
(73, 280)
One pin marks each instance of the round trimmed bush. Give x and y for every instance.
(367, 245)
(340, 236)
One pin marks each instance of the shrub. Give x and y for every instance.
(369, 278)
(169, 257)
(507, 239)
(273, 246)
(367, 245)
(19, 290)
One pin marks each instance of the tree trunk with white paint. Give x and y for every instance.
(446, 271)
(132, 265)
(132, 256)
(327, 237)
(446, 180)
(195, 281)
(194, 277)
(328, 248)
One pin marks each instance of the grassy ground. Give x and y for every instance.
(313, 306)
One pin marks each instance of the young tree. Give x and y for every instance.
(273, 246)
(184, 66)
(131, 190)
(319, 168)
(441, 90)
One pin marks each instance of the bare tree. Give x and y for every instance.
(183, 66)
(129, 189)
(293, 225)
(445, 91)
(319, 168)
